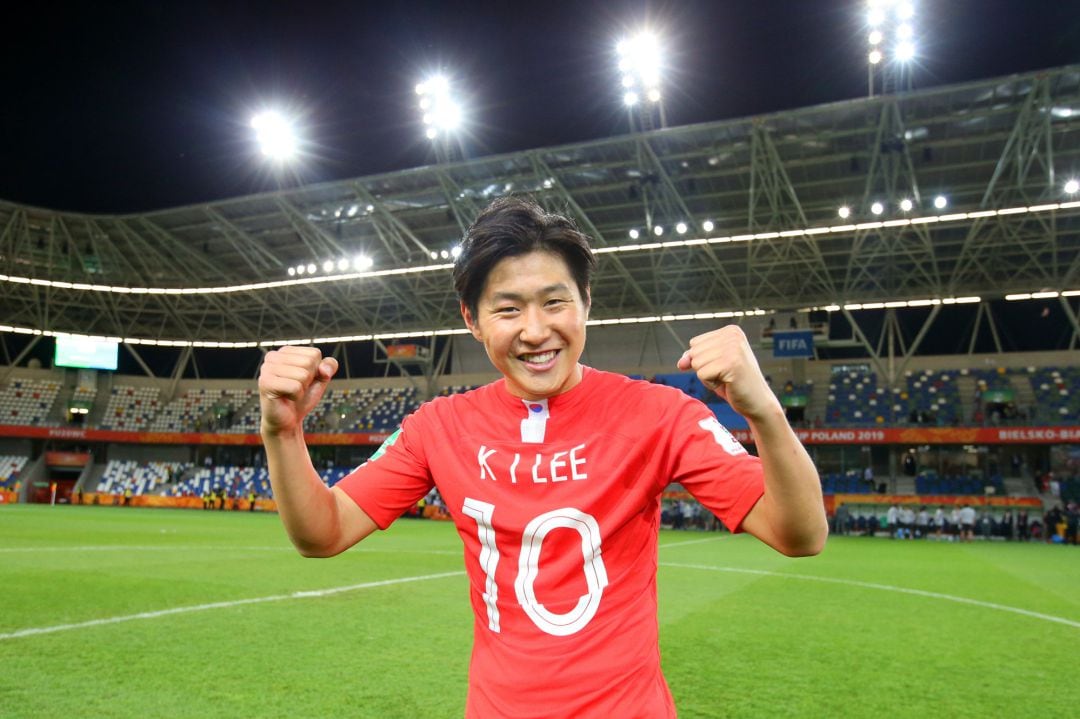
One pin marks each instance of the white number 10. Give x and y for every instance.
(532, 539)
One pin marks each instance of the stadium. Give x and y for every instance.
(906, 265)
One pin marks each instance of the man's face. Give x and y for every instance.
(531, 320)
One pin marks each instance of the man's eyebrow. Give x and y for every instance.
(507, 296)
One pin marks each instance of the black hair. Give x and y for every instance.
(512, 226)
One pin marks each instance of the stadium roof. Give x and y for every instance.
(999, 150)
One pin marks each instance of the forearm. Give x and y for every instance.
(305, 504)
(792, 504)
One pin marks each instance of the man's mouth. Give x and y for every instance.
(538, 358)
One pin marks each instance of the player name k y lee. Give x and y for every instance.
(536, 467)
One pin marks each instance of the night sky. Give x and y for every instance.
(132, 106)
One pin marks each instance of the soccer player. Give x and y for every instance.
(553, 476)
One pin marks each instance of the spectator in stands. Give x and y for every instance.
(607, 447)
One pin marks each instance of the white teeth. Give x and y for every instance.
(540, 358)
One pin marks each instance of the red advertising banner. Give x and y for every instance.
(66, 459)
(837, 435)
(932, 435)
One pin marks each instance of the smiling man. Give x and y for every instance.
(553, 476)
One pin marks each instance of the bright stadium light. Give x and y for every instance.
(634, 234)
(941, 202)
(892, 44)
(681, 228)
(442, 113)
(844, 212)
(906, 205)
(708, 225)
(275, 135)
(328, 266)
(640, 65)
(658, 230)
(877, 208)
(292, 272)
(311, 268)
(1072, 187)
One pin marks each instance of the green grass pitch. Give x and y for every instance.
(116, 612)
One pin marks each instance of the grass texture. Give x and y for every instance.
(120, 612)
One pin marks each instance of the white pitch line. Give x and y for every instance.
(203, 547)
(693, 541)
(886, 588)
(32, 631)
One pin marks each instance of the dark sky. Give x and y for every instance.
(131, 106)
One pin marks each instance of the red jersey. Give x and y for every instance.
(558, 505)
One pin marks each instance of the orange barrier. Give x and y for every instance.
(8, 497)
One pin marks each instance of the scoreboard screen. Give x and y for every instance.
(86, 353)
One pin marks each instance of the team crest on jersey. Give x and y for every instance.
(387, 444)
(722, 436)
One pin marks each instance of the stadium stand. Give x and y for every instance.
(855, 399)
(932, 398)
(131, 408)
(1057, 392)
(201, 410)
(28, 401)
(139, 477)
(10, 466)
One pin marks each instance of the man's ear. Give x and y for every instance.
(470, 322)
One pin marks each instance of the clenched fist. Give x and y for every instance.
(292, 380)
(726, 365)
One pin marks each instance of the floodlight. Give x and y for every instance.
(905, 10)
(681, 228)
(455, 251)
(654, 95)
(906, 205)
(941, 202)
(441, 113)
(905, 51)
(275, 135)
(875, 37)
(292, 272)
(874, 57)
(342, 265)
(844, 212)
(904, 32)
(1072, 186)
(707, 225)
(630, 99)
(877, 208)
(634, 234)
(311, 268)
(431, 133)
(444, 254)
(328, 266)
(363, 262)
(628, 81)
(300, 269)
(658, 230)
(876, 16)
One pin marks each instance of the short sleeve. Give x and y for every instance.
(713, 466)
(394, 479)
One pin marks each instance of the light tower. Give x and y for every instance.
(891, 41)
(442, 116)
(640, 66)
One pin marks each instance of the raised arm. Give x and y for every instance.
(321, 522)
(790, 517)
